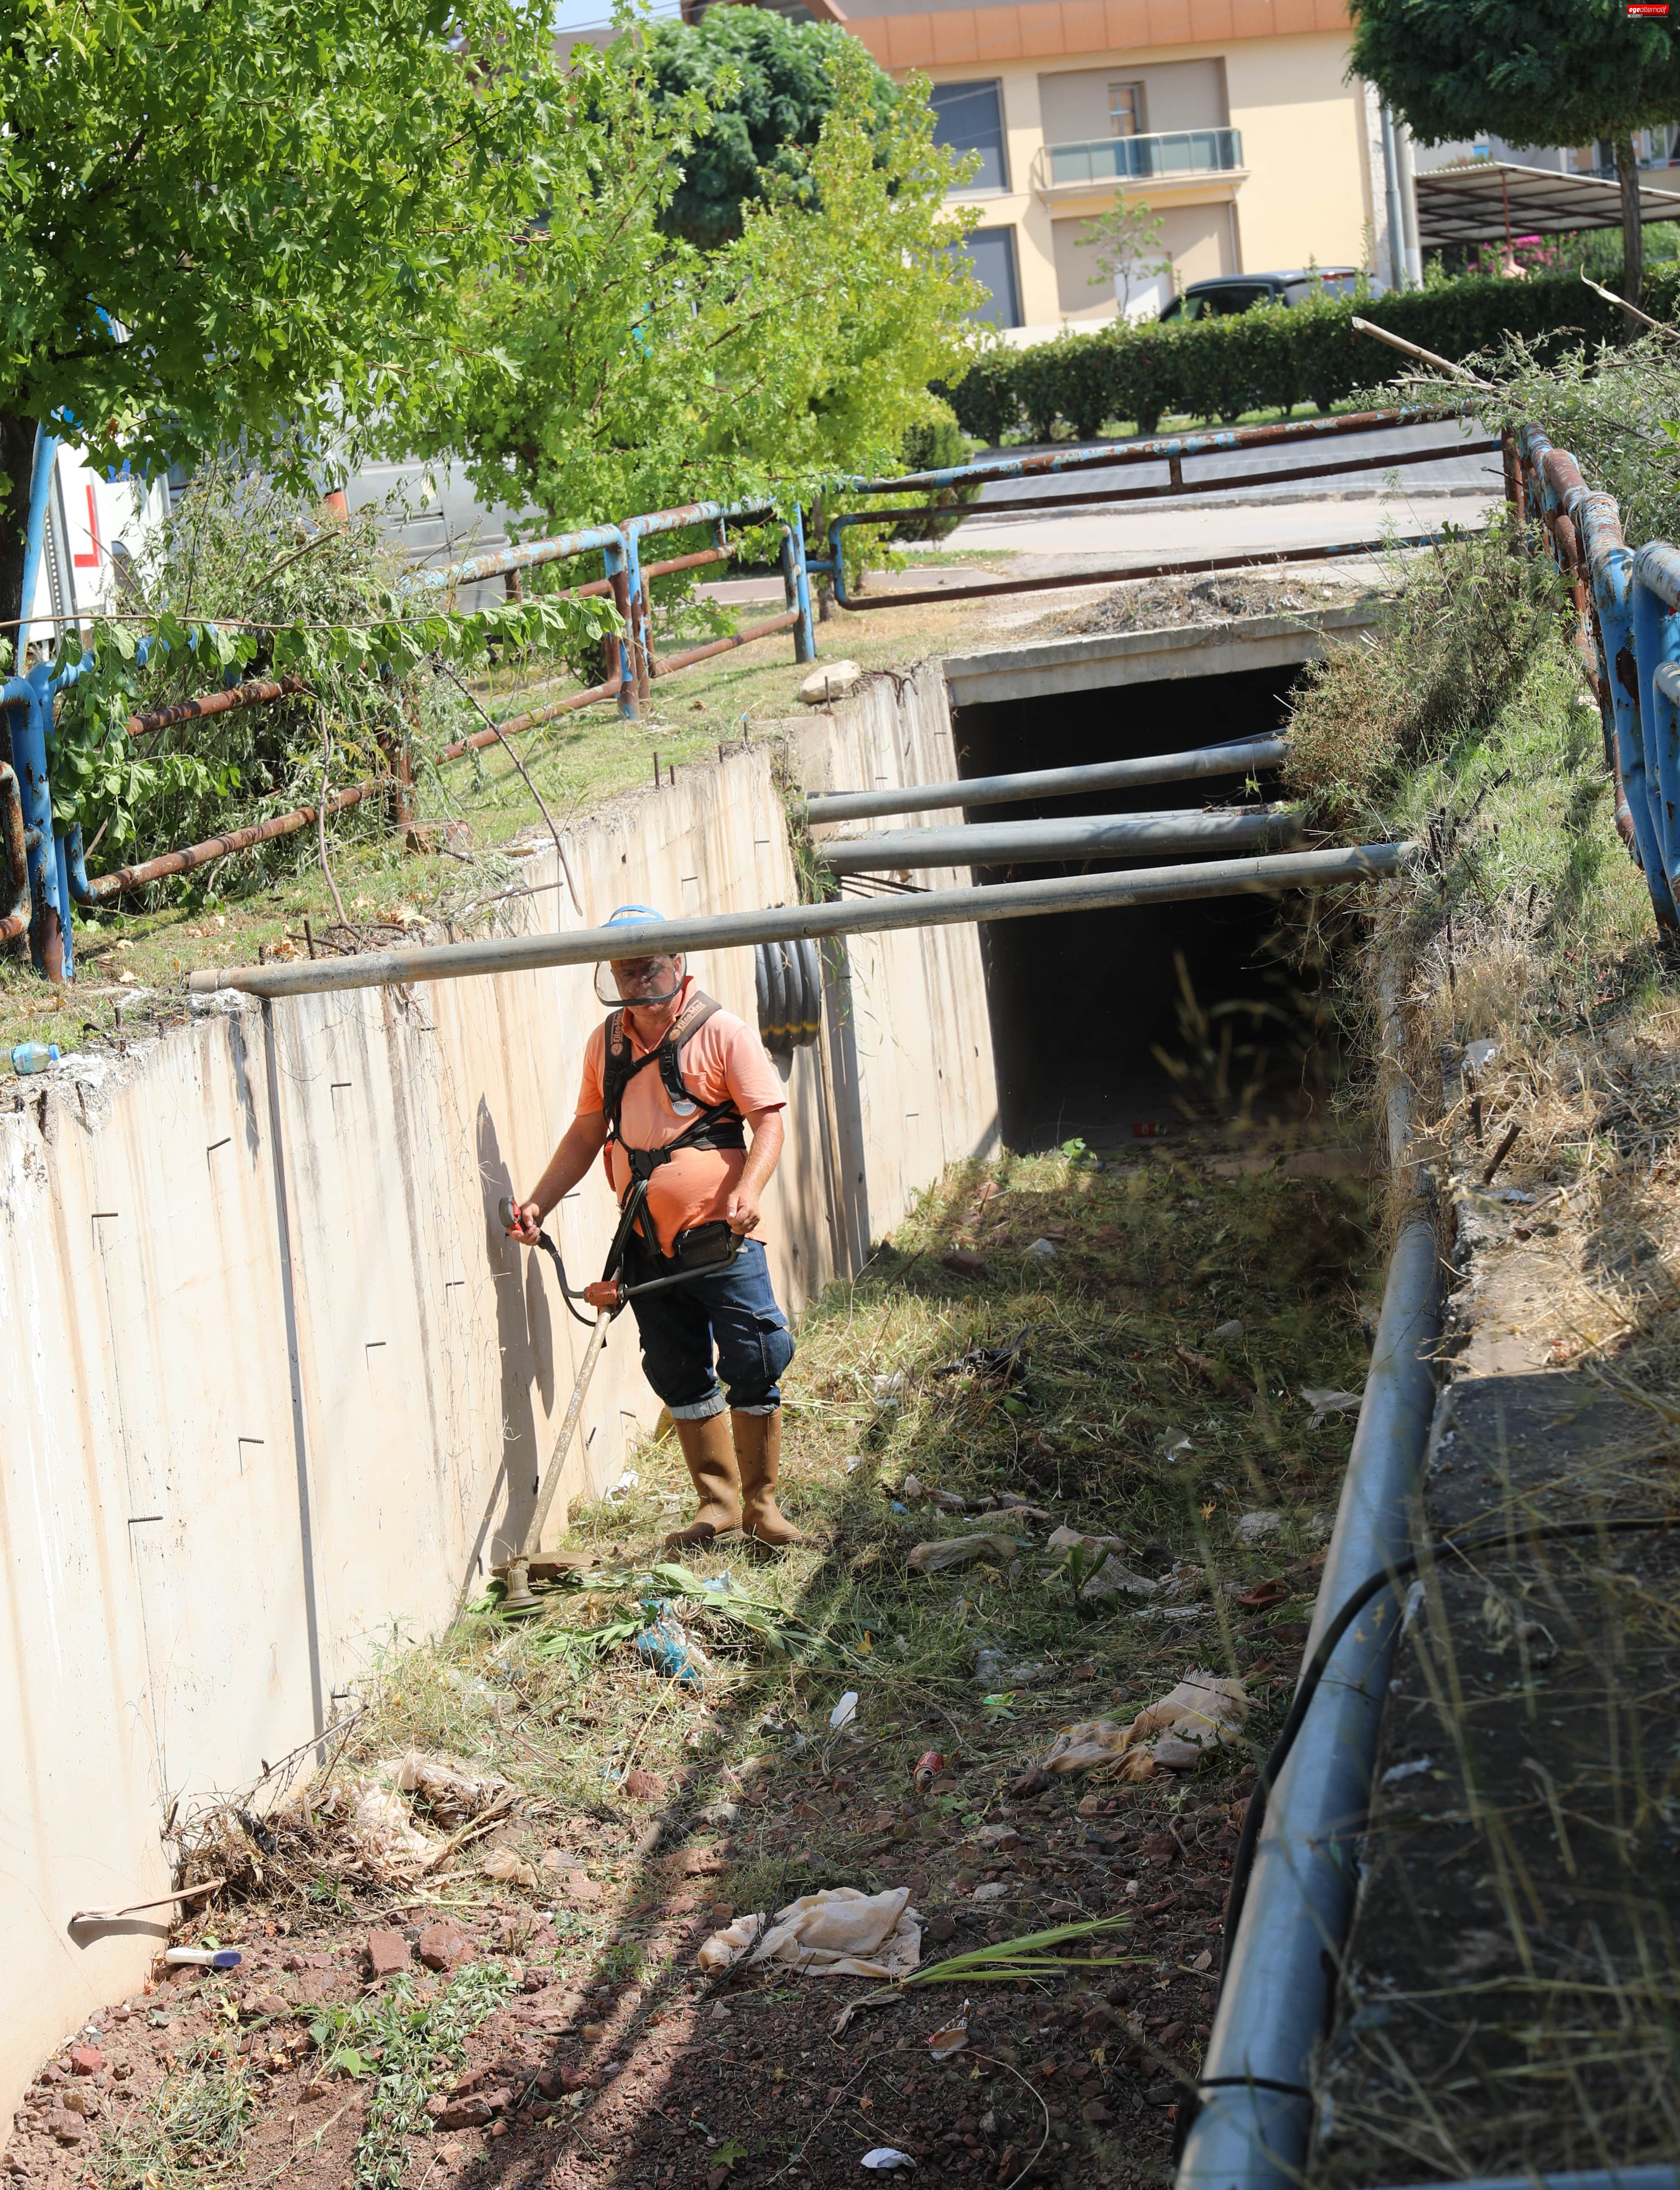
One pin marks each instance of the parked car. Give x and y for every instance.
(1240, 293)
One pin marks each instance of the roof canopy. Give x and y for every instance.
(1490, 201)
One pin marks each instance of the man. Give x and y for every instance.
(669, 1081)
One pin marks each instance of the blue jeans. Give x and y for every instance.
(732, 1316)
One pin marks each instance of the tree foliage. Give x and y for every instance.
(1532, 71)
(617, 367)
(768, 86)
(220, 224)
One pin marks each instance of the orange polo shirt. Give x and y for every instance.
(725, 1058)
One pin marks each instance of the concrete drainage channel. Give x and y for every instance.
(458, 1091)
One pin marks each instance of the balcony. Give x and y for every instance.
(1102, 161)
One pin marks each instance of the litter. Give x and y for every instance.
(1323, 1403)
(961, 1551)
(887, 1388)
(1227, 1333)
(1064, 1539)
(989, 1363)
(625, 1484)
(839, 1933)
(664, 1642)
(1022, 1508)
(1396, 1772)
(447, 1790)
(844, 1711)
(855, 1460)
(885, 2156)
(201, 1958)
(952, 2039)
(502, 1865)
(1111, 1579)
(928, 1766)
(1043, 1251)
(382, 1826)
(995, 1892)
(1203, 1711)
(1176, 1445)
(1256, 1528)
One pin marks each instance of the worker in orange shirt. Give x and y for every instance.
(674, 1085)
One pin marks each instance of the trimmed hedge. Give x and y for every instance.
(1275, 356)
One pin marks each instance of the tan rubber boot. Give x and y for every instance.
(710, 1453)
(758, 1443)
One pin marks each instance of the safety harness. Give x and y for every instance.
(718, 1125)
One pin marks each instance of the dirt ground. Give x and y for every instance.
(567, 2034)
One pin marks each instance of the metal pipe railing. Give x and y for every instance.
(1090, 837)
(1243, 757)
(14, 838)
(1254, 2087)
(511, 954)
(1627, 629)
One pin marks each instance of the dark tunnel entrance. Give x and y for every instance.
(1084, 1006)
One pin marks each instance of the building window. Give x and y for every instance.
(992, 253)
(969, 117)
(1126, 109)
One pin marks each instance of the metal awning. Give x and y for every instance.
(1491, 200)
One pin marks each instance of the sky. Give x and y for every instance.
(579, 15)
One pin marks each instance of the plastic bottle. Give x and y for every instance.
(34, 1056)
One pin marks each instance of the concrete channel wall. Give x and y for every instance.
(279, 1388)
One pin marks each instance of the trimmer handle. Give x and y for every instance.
(508, 1210)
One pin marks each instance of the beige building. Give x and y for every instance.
(1233, 120)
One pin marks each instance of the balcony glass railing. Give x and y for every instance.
(1128, 159)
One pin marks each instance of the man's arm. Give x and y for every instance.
(585, 1138)
(762, 1158)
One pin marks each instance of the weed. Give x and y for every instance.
(190, 2133)
(397, 2040)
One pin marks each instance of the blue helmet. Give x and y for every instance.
(645, 989)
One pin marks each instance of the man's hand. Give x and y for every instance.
(743, 1209)
(527, 1224)
(603, 1292)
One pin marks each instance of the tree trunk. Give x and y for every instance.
(17, 457)
(1633, 234)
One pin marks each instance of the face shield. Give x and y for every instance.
(644, 984)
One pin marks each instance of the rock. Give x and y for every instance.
(77, 2099)
(721, 1912)
(446, 1947)
(1043, 1251)
(581, 1890)
(1002, 1838)
(471, 2113)
(642, 1786)
(436, 2104)
(272, 2003)
(995, 1891)
(941, 1928)
(387, 1952)
(500, 2099)
(964, 1262)
(830, 680)
(86, 2060)
(1031, 1782)
(68, 2128)
(1094, 2111)
(1256, 1528)
(1227, 1334)
(577, 2080)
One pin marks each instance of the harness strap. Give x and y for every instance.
(718, 1126)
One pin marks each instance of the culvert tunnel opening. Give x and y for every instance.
(1145, 1016)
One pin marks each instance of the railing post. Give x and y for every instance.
(636, 585)
(618, 572)
(796, 585)
(46, 923)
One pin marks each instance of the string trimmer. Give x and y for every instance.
(700, 1261)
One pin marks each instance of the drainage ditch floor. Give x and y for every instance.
(1149, 1352)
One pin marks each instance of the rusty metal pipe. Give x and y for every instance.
(214, 703)
(1173, 488)
(669, 663)
(14, 921)
(91, 890)
(1203, 567)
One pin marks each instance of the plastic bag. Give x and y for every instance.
(1204, 1710)
(839, 1933)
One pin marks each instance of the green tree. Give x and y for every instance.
(768, 86)
(1125, 241)
(1534, 71)
(247, 226)
(616, 366)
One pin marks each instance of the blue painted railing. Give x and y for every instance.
(1628, 603)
